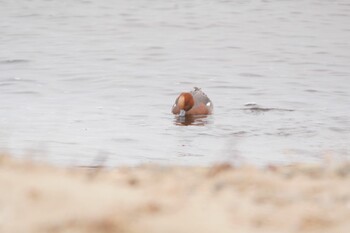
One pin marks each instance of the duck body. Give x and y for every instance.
(195, 102)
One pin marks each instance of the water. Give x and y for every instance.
(86, 81)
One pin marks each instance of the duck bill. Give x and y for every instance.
(182, 113)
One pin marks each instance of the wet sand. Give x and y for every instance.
(296, 198)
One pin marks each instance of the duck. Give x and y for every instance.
(195, 102)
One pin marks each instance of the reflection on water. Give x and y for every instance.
(195, 120)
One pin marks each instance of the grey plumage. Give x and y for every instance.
(198, 94)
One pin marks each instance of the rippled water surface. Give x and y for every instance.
(82, 81)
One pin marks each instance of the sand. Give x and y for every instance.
(37, 198)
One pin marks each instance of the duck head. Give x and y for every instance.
(183, 103)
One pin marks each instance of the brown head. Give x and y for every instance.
(183, 103)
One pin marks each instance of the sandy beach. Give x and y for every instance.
(38, 198)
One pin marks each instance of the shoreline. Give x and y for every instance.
(36, 197)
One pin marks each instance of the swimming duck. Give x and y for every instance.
(194, 102)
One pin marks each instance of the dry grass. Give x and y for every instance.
(301, 198)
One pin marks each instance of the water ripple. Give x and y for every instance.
(14, 61)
